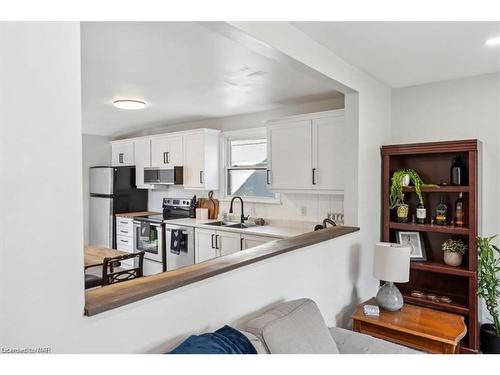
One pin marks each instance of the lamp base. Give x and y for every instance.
(389, 297)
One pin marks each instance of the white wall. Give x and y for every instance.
(41, 217)
(44, 305)
(96, 151)
(452, 110)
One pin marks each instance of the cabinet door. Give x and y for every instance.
(122, 154)
(289, 154)
(330, 152)
(204, 245)
(248, 241)
(166, 152)
(228, 242)
(142, 160)
(194, 161)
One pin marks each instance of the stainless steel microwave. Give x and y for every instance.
(163, 176)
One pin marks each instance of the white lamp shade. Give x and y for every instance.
(391, 262)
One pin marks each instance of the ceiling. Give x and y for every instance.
(411, 53)
(185, 72)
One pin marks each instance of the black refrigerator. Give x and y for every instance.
(112, 191)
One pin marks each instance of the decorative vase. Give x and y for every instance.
(490, 341)
(405, 180)
(453, 259)
(402, 212)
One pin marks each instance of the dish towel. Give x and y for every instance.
(176, 241)
(145, 229)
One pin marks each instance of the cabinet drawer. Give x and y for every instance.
(125, 244)
(126, 230)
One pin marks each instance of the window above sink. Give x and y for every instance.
(245, 166)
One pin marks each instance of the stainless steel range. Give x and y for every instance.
(153, 233)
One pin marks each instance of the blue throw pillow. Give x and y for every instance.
(225, 340)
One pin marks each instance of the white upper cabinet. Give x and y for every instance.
(142, 160)
(307, 153)
(195, 150)
(201, 160)
(167, 151)
(330, 143)
(290, 153)
(122, 153)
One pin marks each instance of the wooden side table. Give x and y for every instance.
(417, 327)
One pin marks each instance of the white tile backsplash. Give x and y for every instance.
(317, 205)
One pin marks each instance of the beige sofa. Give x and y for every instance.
(297, 327)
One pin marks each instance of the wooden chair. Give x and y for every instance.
(110, 276)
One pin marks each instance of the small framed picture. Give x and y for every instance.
(415, 240)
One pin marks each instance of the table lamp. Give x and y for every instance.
(391, 263)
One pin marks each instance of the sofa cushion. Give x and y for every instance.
(255, 341)
(349, 342)
(295, 327)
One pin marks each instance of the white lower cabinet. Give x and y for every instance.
(215, 243)
(250, 240)
(125, 237)
(228, 242)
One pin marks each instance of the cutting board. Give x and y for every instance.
(210, 203)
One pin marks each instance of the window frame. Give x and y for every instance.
(235, 135)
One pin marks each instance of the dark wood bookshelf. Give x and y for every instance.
(432, 161)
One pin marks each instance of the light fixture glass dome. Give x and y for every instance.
(129, 104)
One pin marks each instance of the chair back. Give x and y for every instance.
(110, 276)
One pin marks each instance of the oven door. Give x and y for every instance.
(152, 245)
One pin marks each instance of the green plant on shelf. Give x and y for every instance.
(489, 277)
(398, 182)
(454, 246)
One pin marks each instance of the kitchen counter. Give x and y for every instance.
(258, 230)
(129, 215)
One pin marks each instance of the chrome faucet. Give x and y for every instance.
(243, 217)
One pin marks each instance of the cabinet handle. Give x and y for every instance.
(213, 241)
(164, 158)
(217, 241)
(120, 158)
(267, 176)
(201, 177)
(168, 157)
(124, 231)
(241, 244)
(314, 176)
(123, 241)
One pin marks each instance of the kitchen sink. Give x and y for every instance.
(217, 223)
(239, 225)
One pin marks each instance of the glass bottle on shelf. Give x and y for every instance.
(457, 172)
(421, 213)
(402, 211)
(441, 212)
(460, 211)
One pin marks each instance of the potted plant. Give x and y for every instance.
(454, 251)
(400, 179)
(489, 290)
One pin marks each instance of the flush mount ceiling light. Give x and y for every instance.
(129, 104)
(493, 41)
